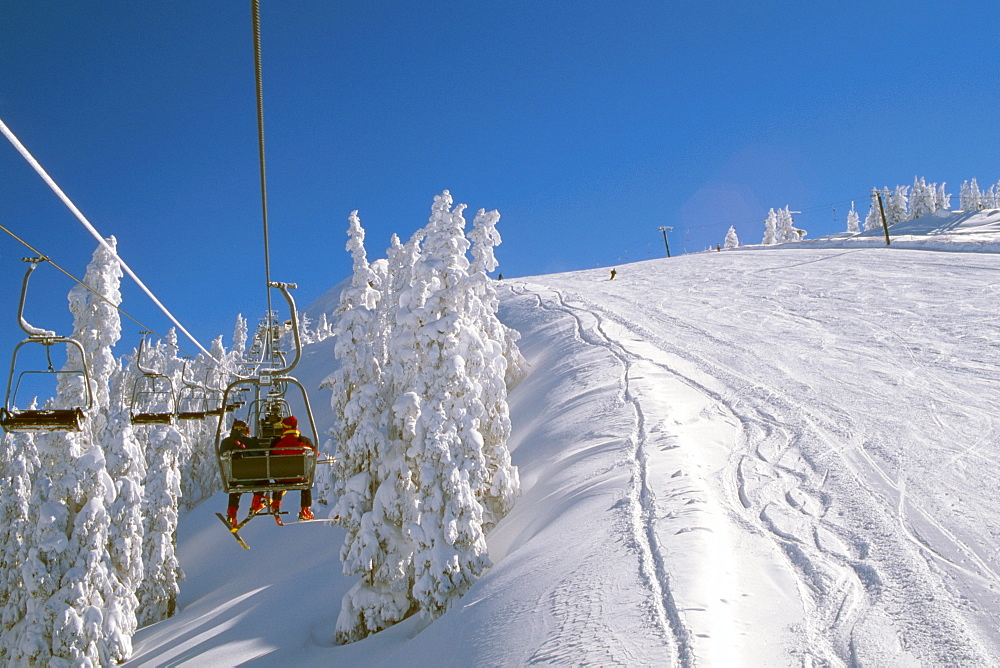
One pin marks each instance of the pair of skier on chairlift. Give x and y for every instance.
(289, 442)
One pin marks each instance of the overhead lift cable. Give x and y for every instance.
(90, 228)
(260, 144)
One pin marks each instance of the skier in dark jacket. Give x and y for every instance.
(292, 442)
(238, 440)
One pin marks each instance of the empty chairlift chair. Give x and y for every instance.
(192, 403)
(25, 379)
(153, 399)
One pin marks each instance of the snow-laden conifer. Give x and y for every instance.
(923, 198)
(897, 208)
(874, 218)
(787, 232)
(484, 237)
(770, 228)
(943, 198)
(450, 547)
(240, 336)
(417, 493)
(158, 592)
(127, 468)
(853, 221)
(71, 588)
(991, 198)
(498, 365)
(18, 462)
(970, 197)
(358, 408)
(732, 241)
(100, 329)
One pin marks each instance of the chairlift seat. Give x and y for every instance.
(68, 419)
(152, 418)
(260, 470)
(191, 415)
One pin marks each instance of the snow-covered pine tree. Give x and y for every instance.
(100, 330)
(787, 232)
(943, 199)
(378, 599)
(490, 363)
(127, 467)
(158, 592)
(18, 462)
(874, 218)
(853, 221)
(450, 547)
(784, 226)
(323, 330)
(484, 238)
(732, 241)
(240, 337)
(991, 198)
(395, 509)
(770, 228)
(163, 357)
(443, 422)
(72, 614)
(970, 197)
(923, 198)
(897, 208)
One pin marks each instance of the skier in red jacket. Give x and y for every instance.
(292, 442)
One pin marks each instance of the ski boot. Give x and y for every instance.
(257, 504)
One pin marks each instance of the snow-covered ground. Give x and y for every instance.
(762, 456)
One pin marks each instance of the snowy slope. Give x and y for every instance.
(764, 456)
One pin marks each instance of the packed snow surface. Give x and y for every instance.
(763, 456)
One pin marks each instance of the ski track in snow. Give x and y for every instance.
(879, 576)
(642, 506)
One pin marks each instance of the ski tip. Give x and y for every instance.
(233, 530)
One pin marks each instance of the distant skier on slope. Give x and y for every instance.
(239, 439)
(292, 442)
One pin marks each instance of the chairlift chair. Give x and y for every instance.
(192, 402)
(153, 398)
(17, 420)
(213, 402)
(257, 469)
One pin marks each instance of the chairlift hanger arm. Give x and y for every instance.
(190, 383)
(138, 357)
(284, 288)
(30, 330)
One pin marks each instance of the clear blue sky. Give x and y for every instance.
(586, 124)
